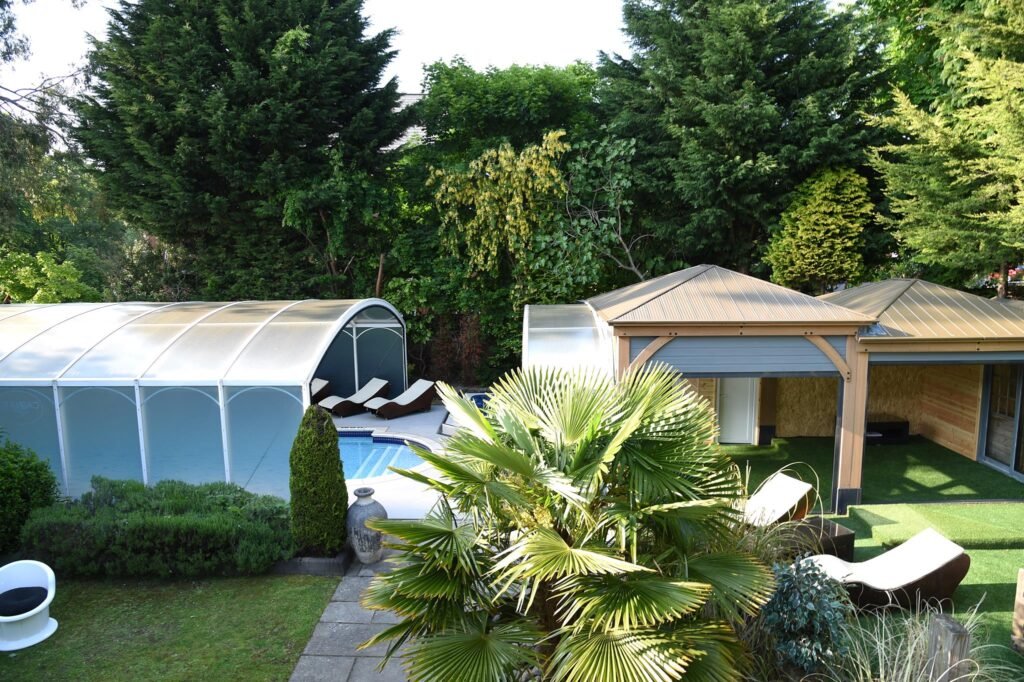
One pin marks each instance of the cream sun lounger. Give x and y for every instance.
(344, 407)
(778, 498)
(927, 566)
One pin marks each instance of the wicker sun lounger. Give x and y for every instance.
(417, 398)
(928, 566)
(344, 407)
(318, 390)
(779, 498)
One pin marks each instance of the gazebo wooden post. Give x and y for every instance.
(847, 489)
(621, 355)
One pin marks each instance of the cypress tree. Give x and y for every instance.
(205, 117)
(319, 501)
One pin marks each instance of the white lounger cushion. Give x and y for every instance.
(776, 497)
(359, 397)
(900, 566)
(413, 392)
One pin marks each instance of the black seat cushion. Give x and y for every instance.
(21, 600)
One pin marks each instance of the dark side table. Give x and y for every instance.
(835, 539)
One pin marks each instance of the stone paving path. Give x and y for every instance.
(331, 655)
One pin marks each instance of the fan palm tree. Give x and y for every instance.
(586, 532)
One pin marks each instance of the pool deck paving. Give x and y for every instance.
(332, 654)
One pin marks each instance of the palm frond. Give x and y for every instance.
(618, 655)
(466, 413)
(742, 584)
(718, 655)
(634, 600)
(478, 653)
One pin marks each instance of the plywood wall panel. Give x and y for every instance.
(806, 406)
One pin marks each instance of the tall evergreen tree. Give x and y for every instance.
(206, 117)
(821, 239)
(956, 183)
(758, 95)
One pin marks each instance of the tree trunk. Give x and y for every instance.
(1004, 280)
(380, 277)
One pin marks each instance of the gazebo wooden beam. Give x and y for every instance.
(832, 354)
(733, 330)
(649, 350)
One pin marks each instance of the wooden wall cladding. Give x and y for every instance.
(950, 404)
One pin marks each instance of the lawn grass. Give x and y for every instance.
(917, 471)
(216, 629)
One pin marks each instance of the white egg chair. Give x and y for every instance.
(24, 619)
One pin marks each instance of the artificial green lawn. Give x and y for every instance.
(216, 629)
(918, 471)
(991, 533)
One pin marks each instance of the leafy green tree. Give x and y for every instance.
(955, 183)
(465, 112)
(916, 51)
(503, 221)
(319, 499)
(591, 535)
(207, 118)
(821, 241)
(25, 278)
(758, 96)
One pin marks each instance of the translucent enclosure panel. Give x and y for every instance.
(338, 365)
(202, 354)
(101, 436)
(567, 349)
(27, 418)
(18, 329)
(262, 423)
(315, 311)
(129, 351)
(375, 314)
(381, 354)
(46, 355)
(182, 428)
(282, 354)
(560, 316)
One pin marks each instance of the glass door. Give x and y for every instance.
(1001, 445)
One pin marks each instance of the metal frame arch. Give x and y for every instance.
(340, 324)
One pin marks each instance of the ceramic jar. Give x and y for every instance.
(366, 542)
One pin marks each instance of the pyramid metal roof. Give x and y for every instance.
(712, 295)
(914, 309)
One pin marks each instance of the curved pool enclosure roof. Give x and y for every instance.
(244, 343)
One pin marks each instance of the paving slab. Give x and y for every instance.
(346, 612)
(351, 588)
(323, 669)
(365, 670)
(343, 639)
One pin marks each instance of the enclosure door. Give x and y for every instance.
(737, 410)
(1002, 414)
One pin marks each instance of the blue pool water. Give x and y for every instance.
(364, 457)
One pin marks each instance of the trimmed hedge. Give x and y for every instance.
(319, 502)
(174, 529)
(26, 483)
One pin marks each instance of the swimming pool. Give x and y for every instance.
(365, 456)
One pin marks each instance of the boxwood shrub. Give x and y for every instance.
(173, 529)
(26, 483)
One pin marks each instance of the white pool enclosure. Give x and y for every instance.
(190, 391)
